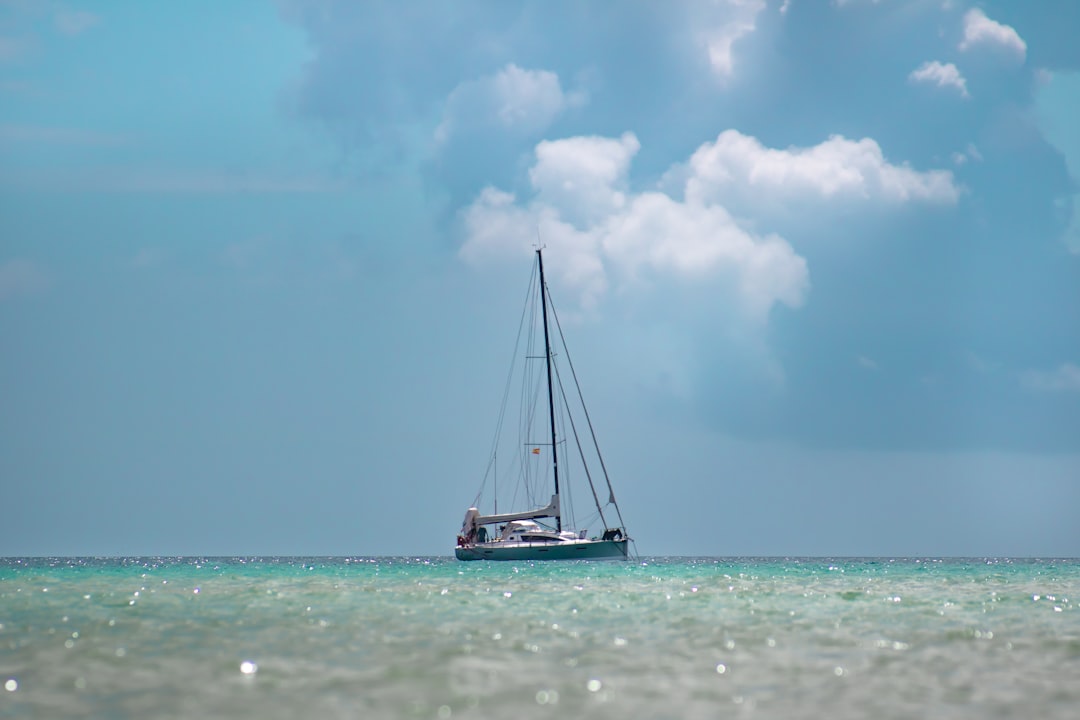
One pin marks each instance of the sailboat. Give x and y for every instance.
(544, 529)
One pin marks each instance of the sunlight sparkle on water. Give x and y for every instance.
(615, 648)
(547, 697)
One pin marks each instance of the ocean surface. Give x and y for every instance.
(438, 638)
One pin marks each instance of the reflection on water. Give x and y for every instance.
(435, 638)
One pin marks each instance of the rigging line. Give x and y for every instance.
(483, 483)
(506, 388)
(517, 485)
(533, 403)
(577, 439)
(567, 484)
(589, 521)
(592, 431)
(524, 472)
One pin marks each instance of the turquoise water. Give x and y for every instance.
(436, 638)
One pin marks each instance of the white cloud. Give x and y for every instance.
(584, 176)
(21, 277)
(525, 97)
(720, 37)
(1066, 378)
(720, 44)
(838, 169)
(981, 30)
(513, 99)
(942, 75)
(599, 232)
(866, 363)
(688, 239)
(498, 228)
(604, 234)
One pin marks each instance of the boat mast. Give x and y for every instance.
(551, 394)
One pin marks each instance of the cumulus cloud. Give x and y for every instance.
(981, 30)
(598, 231)
(1066, 378)
(606, 234)
(585, 177)
(837, 169)
(688, 239)
(497, 227)
(942, 75)
(21, 277)
(514, 100)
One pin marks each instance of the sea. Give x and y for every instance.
(415, 637)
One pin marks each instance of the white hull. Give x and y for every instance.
(565, 550)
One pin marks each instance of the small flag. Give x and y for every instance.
(536, 451)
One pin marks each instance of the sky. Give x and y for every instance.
(261, 267)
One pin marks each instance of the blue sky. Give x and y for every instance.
(260, 267)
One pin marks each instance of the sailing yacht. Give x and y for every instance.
(544, 530)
